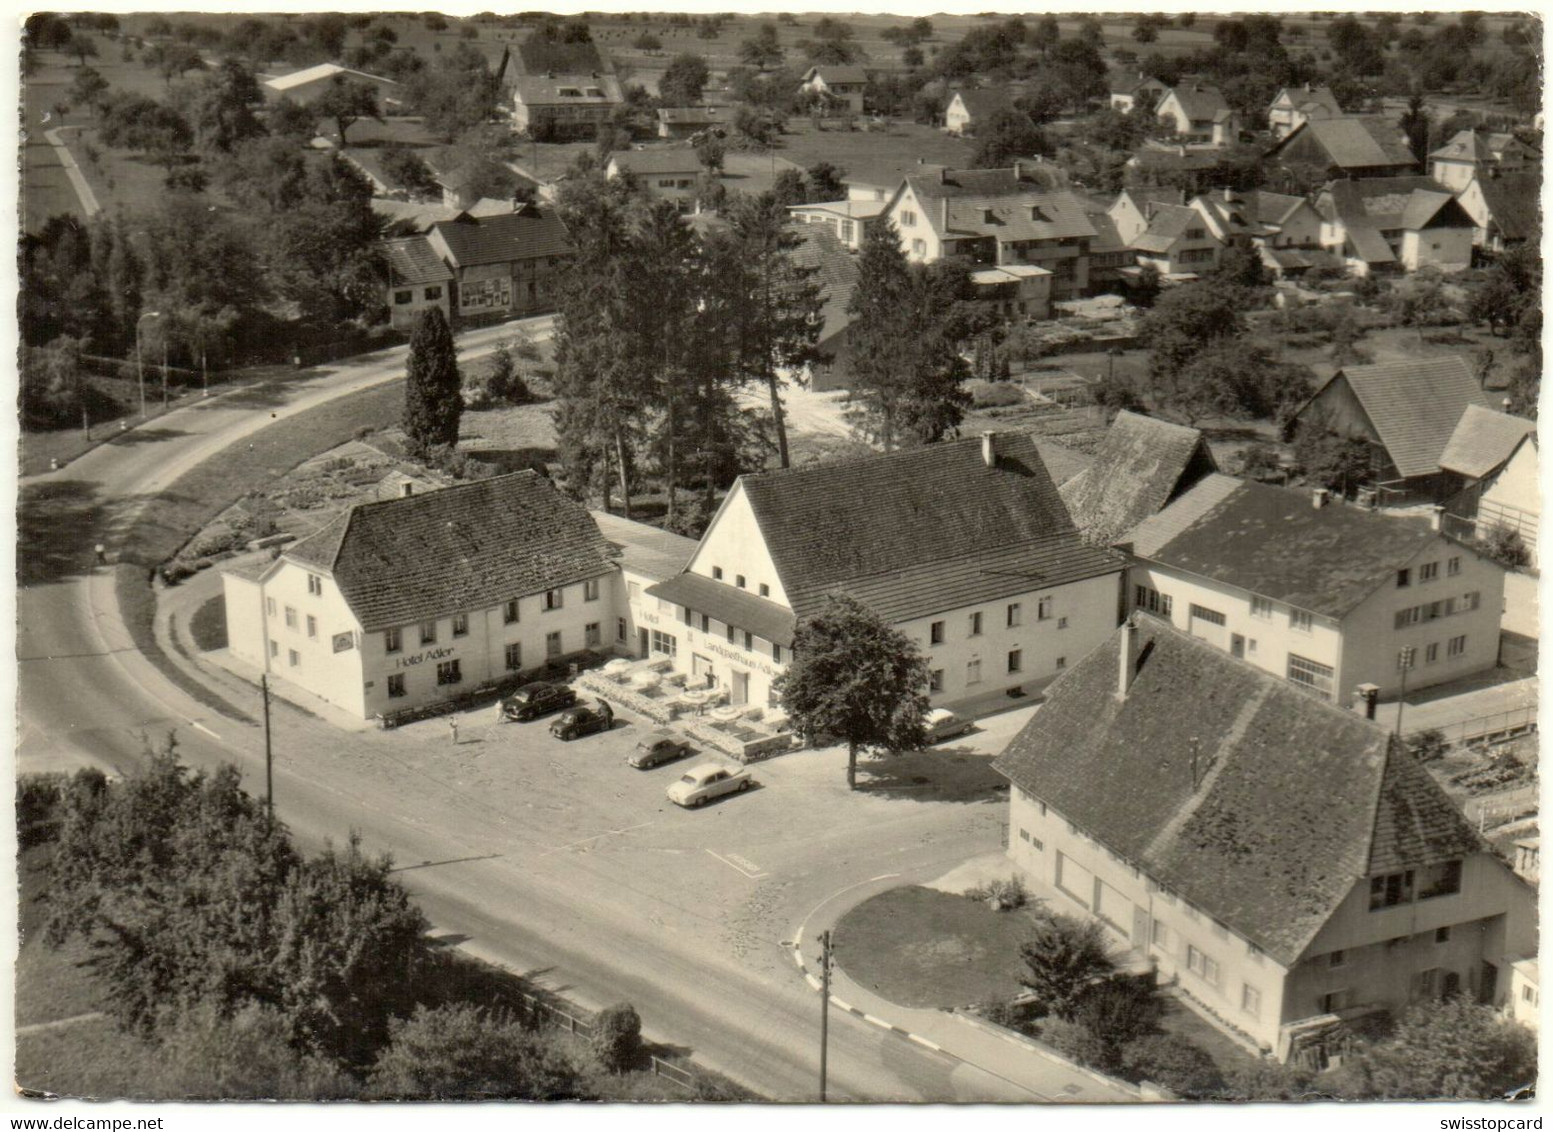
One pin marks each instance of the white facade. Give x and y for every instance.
(1448, 249)
(1332, 656)
(1512, 497)
(294, 623)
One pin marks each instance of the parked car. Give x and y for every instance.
(579, 721)
(700, 784)
(657, 748)
(941, 724)
(534, 700)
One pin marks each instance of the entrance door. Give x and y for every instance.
(642, 638)
(1237, 645)
(701, 670)
(740, 688)
(1488, 982)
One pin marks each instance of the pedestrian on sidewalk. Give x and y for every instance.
(453, 727)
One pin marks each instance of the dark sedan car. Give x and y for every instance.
(657, 748)
(579, 721)
(534, 700)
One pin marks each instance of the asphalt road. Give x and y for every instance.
(696, 947)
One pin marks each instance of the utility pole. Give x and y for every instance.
(269, 765)
(1404, 662)
(164, 372)
(825, 961)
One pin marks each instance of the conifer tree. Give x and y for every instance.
(433, 393)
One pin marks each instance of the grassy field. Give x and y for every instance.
(924, 948)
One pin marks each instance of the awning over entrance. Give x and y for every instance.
(730, 605)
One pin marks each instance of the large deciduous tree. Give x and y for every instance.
(1453, 1049)
(347, 101)
(433, 392)
(460, 1053)
(854, 677)
(683, 81)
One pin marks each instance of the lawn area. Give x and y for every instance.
(924, 948)
(208, 625)
(935, 774)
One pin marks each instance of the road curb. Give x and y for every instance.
(814, 984)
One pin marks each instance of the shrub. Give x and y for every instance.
(1504, 545)
(1075, 1042)
(1266, 1080)
(37, 802)
(617, 1037)
(1178, 1065)
(1118, 1011)
(1426, 746)
(1001, 894)
(1063, 957)
(1260, 463)
(1011, 1015)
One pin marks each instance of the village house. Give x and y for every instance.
(667, 173)
(1384, 224)
(1505, 210)
(550, 107)
(1132, 207)
(1133, 89)
(410, 601)
(963, 546)
(970, 109)
(1524, 1003)
(1284, 864)
(1321, 593)
(1285, 230)
(1141, 465)
(1351, 146)
(847, 219)
(1296, 105)
(491, 266)
(1195, 168)
(1177, 242)
(1020, 292)
(682, 122)
(836, 85)
(1110, 259)
(1199, 114)
(646, 556)
(1490, 463)
(1405, 411)
(995, 217)
(1471, 154)
(309, 84)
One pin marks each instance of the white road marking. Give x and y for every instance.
(736, 868)
(595, 837)
(206, 730)
(924, 1042)
(814, 984)
(877, 1021)
(847, 1006)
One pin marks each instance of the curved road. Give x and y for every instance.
(86, 695)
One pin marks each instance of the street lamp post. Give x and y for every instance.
(140, 369)
(1404, 662)
(825, 962)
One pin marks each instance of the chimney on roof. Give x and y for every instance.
(1436, 517)
(1319, 498)
(1229, 195)
(1505, 404)
(1365, 697)
(989, 448)
(943, 174)
(1127, 657)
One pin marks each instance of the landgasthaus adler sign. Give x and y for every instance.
(738, 656)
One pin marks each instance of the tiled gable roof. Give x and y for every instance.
(1029, 216)
(1253, 800)
(952, 184)
(1483, 440)
(1358, 142)
(1142, 465)
(1423, 207)
(691, 115)
(840, 73)
(1467, 146)
(662, 159)
(1308, 96)
(1273, 542)
(1167, 224)
(835, 274)
(1415, 406)
(832, 525)
(1513, 201)
(1201, 103)
(982, 104)
(651, 550)
(555, 89)
(464, 548)
(538, 54)
(503, 239)
(412, 260)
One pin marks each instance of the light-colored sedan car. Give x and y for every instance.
(941, 724)
(700, 784)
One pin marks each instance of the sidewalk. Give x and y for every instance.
(89, 203)
(1044, 1075)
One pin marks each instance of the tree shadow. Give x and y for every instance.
(56, 525)
(147, 435)
(937, 774)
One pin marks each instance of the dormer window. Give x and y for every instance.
(569, 92)
(988, 216)
(594, 92)
(1037, 214)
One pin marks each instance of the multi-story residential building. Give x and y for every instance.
(1131, 209)
(1406, 412)
(841, 86)
(1260, 219)
(1505, 210)
(1133, 89)
(1296, 105)
(478, 267)
(413, 600)
(995, 217)
(1177, 242)
(1020, 292)
(963, 546)
(1323, 594)
(1385, 224)
(666, 173)
(849, 219)
(1284, 862)
(1471, 154)
(1199, 114)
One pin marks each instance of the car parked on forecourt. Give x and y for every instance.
(941, 724)
(534, 700)
(656, 748)
(579, 721)
(700, 784)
